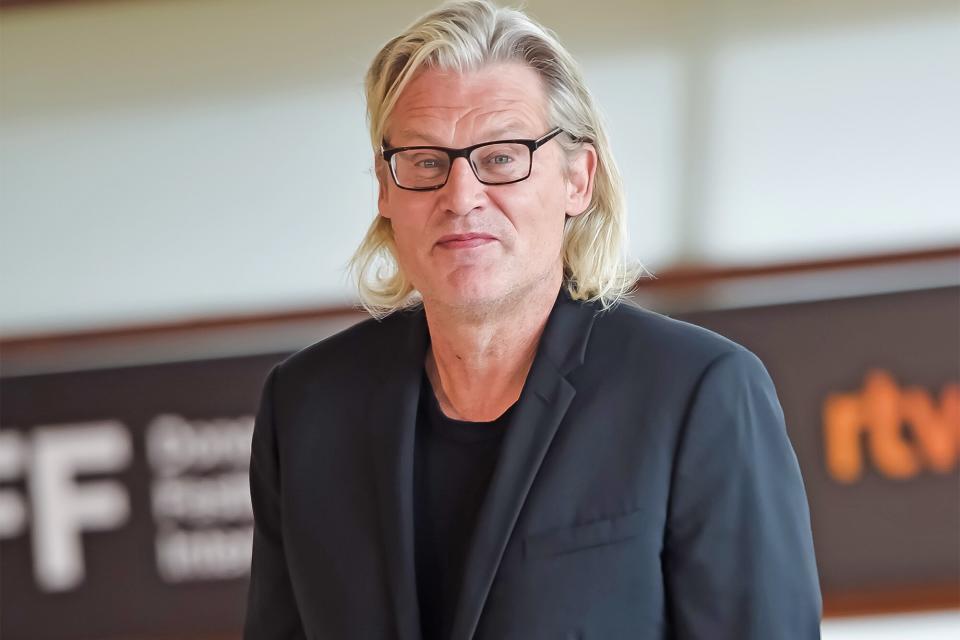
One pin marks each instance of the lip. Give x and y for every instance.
(464, 240)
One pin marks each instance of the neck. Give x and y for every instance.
(478, 359)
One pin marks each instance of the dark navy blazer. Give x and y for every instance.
(646, 489)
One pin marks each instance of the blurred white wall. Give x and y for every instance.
(932, 625)
(167, 160)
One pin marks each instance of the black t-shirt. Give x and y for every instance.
(453, 463)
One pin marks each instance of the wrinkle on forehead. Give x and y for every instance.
(441, 108)
(495, 125)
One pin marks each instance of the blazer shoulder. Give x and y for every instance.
(354, 348)
(639, 332)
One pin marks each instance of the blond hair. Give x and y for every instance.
(463, 36)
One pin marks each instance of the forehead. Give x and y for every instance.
(446, 107)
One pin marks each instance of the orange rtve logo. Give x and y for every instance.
(880, 410)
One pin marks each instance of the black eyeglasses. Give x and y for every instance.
(426, 168)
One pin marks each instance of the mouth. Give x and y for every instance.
(465, 240)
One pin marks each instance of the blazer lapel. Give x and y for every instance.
(391, 423)
(542, 405)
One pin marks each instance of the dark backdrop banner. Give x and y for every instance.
(870, 388)
(125, 509)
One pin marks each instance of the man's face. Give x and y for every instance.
(520, 224)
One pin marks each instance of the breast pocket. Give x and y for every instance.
(586, 535)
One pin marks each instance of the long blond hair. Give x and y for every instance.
(463, 36)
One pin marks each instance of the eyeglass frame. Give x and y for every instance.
(453, 154)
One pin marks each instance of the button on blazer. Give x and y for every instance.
(646, 488)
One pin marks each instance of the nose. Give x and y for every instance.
(463, 192)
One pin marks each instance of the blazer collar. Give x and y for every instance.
(565, 337)
(563, 342)
(391, 423)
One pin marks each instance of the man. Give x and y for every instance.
(508, 450)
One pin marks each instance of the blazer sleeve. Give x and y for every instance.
(738, 555)
(271, 609)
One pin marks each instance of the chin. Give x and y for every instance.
(472, 290)
(473, 297)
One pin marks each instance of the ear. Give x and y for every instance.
(383, 182)
(582, 168)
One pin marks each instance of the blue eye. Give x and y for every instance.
(498, 159)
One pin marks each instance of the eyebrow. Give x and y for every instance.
(506, 132)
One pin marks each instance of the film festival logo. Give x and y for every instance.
(199, 495)
(900, 431)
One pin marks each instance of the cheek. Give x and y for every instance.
(551, 215)
(405, 237)
(538, 212)
(551, 204)
(537, 226)
(407, 220)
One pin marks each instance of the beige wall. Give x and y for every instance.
(164, 160)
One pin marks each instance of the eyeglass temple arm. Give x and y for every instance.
(539, 142)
